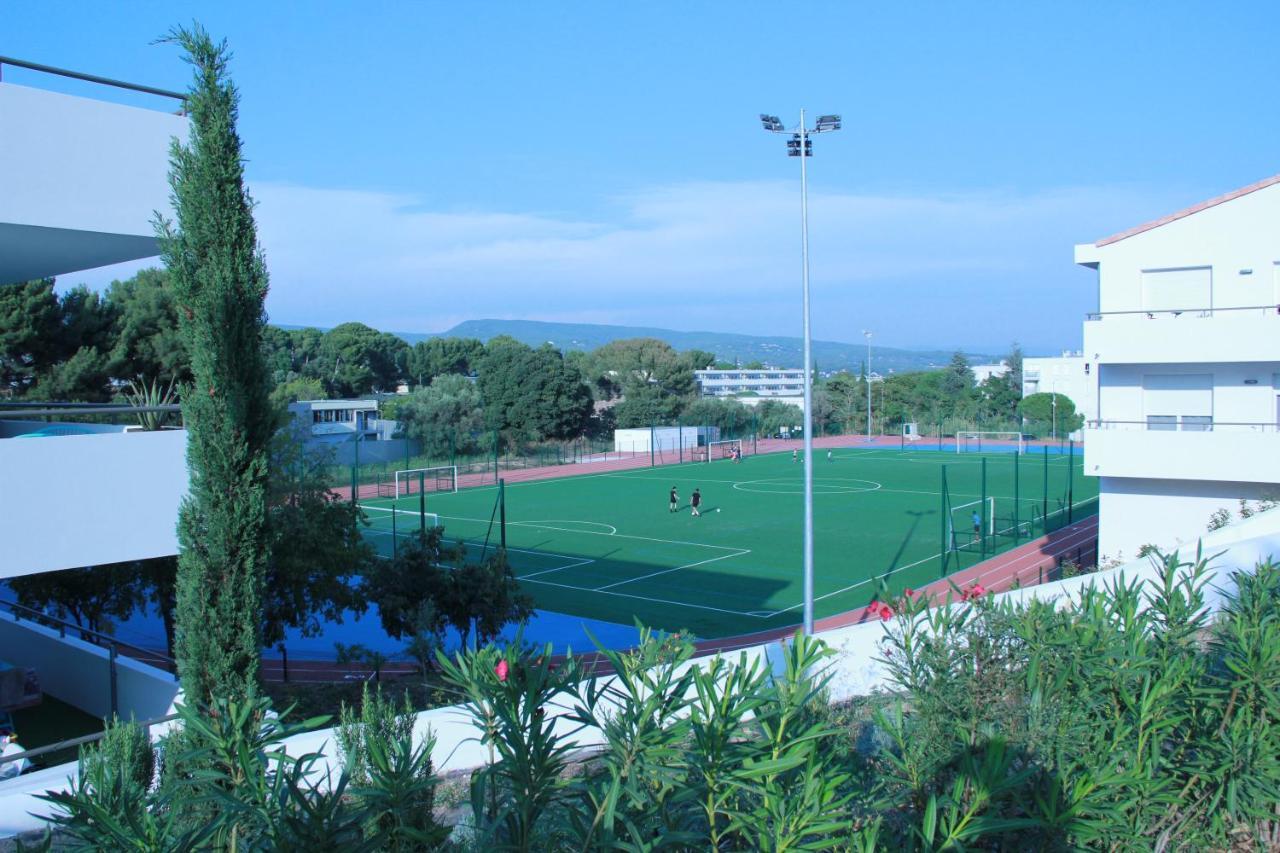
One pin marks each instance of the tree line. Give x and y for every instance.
(84, 346)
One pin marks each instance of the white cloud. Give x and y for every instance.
(973, 269)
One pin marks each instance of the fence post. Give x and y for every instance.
(942, 515)
(502, 513)
(284, 660)
(1071, 478)
(496, 451)
(1044, 500)
(1017, 531)
(422, 502)
(982, 538)
(111, 663)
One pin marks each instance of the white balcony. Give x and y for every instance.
(1250, 334)
(80, 181)
(79, 500)
(1239, 452)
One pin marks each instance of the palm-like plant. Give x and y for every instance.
(151, 395)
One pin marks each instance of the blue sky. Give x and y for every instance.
(420, 164)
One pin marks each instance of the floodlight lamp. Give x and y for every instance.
(771, 123)
(829, 122)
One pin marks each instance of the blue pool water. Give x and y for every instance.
(145, 629)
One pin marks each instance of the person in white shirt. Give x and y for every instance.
(9, 746)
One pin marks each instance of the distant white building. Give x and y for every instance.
(642, 439)
(983, 372)
(770, 382)
(1067, 374)
(1185, 379)
(326, 421)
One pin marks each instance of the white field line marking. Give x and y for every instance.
(576, 561)
(752, 613)
(890, 573)
(740, 553)
(1023, 498)
(582, 561)
(541, 526)
(612, 529)
(537, 525)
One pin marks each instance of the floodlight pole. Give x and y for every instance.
(808, 388)
(801, 136)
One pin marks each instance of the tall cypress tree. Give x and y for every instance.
(220, 281)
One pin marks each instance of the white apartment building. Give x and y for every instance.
(766, 383)
(1184, 383)
(1067, 374)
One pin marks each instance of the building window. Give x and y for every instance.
(1162, 423)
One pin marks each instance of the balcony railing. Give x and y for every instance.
(1164, 313)
(55, 418)
(92, 78)
(1183, 423)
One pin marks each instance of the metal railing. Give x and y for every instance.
(91, 78)
(38, 751)
(1190, 424)
(1153, 313)
(113, 646)
(53, 410)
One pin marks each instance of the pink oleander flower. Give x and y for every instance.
(502, 670)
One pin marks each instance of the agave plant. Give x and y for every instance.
(150, 395)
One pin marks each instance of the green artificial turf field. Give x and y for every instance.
(605, 545)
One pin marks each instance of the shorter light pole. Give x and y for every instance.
(868, 337)
(1053, 429)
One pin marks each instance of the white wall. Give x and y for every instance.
(80, 180)
(1237, 239)
(79, 673)
(1133, 512)
(1242, 392)
(664, 438)
(80, 500)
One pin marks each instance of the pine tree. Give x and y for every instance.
(220, 281)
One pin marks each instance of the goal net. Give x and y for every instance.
(961, 529)
(990, 442)
(412, 481)
(724, 449)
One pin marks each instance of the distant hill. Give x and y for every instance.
(777, 351)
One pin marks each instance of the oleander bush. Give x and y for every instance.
(1129, 718)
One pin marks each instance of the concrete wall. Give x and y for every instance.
(1133, 512)
(663, 438)
(1243, 393)
(79, 673)
(82, 500)
(81, 181)
(391, 450)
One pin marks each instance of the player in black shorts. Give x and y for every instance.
(696, 501)
(674, 500)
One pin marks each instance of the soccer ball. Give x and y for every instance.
(717, 509)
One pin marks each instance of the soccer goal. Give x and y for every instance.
(994, 442)
(412, 481)
(724, 449)
(960, 527)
